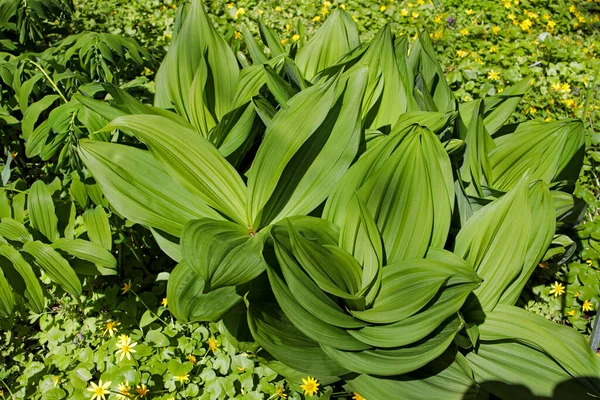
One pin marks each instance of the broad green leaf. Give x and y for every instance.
(476, 169)
(189, 303)
(7, 298)
(551, 151)
(336, 37)
(192, 161)
(286, 133)
(139, 189)
(54, 265)
(406, 184)
(541, 207)
(88, 251)
(221, 252)
(505, 223)
(276, 334)
(515, 343)
(98, 227)
(256, 52)
(41, 211)
(310, 325)
(306, 292)
(15, 231)
(498, 108)
(312, 173)
(423, 62)
(196, 41)
(408, 286)
(33, 112)
(23, 280)
(390, 362)
(447, 377)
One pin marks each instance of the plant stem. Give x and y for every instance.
(50, 80)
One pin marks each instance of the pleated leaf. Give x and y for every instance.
(483, 242)
(222, 252)
(390, 362)
(191, 160)
(98, 227)
(196, 41)
(7, 298)
(447, 377)
(54, 265)
(188, 301)
(276, 334)
(550, 151)
(88, 251)
(139, 189)
(15, 231)
(286, 133)
(42, 215)
(23, 280)
(563, 351)
(336, 37)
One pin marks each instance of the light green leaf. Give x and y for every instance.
(41, 211)
(139, 189)
(54, 265)
(98, 227)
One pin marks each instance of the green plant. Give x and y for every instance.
(367, 222)
(37, 233)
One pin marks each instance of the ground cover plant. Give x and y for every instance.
(408, 191)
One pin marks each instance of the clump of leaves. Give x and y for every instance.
(348, 215)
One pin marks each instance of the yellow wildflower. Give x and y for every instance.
(511, 16)
(288, 27)
(571, 313)
(326, 3)
(382, 8)
(230, 5)
(495, 29)
(469, 12)
(310, 386)
(278, 9)
(126, 287)
(532, 110)
(587, 306)
(237, 35)
(493, 49)
(324, 10)
(404, 12)
(556, 86)
(357, 396)
(241, 11)
(182, 378)
(462, 53)
(589, 262)
(56, 380)
(343, 6)
(572, 9)
(420, 2)
(551, 25)
(261, 12)
(354, 17)
(100, 390)
(283, 41)
(192, 358)
(317, 18)
(280, 392)
(111, 327)
(557, 289)
(464, 32)
(526, 25)
(124, 391)
(141, 390)
(507, 4)
(415, 15)
(125, 347)
(493, 75)
(212, 344)
(164, 302)
(296, 37)
(565, 87)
